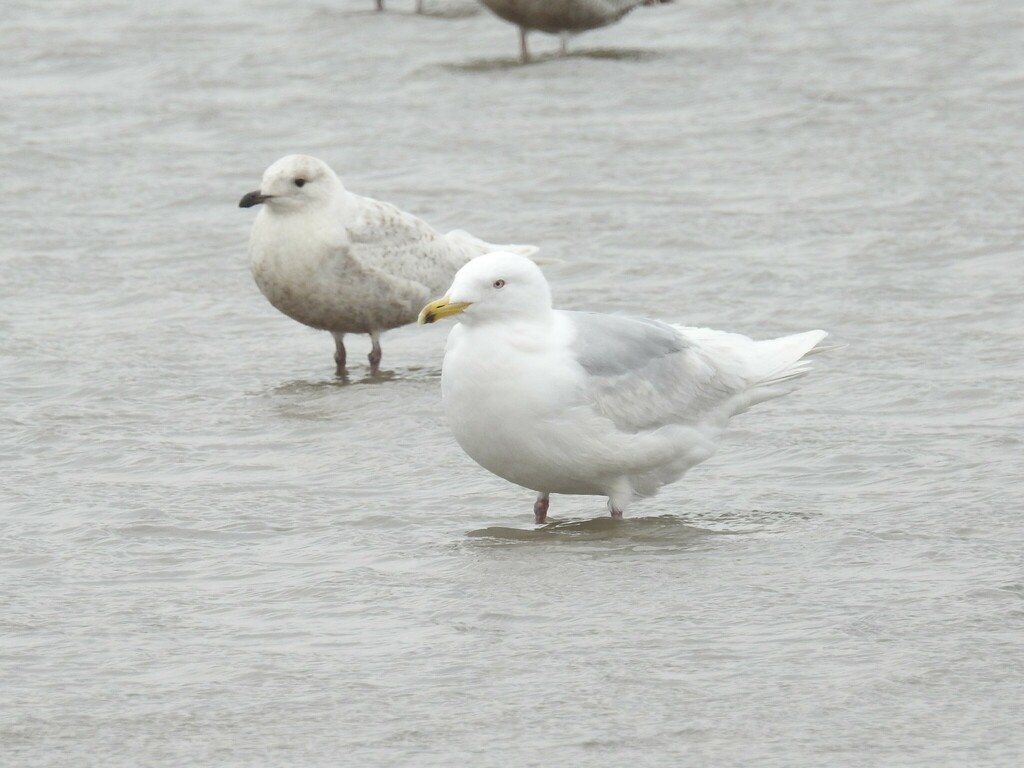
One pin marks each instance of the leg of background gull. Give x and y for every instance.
(616, 512)
(339, 352)
(524, 54)
(564, 40)
(374, 355)
(419, 6)
(540, 508)
(380, 5)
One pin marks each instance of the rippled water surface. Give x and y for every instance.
(213, 552)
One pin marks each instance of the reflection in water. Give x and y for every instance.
(497, 65)
(336, 381)
(449, 12)
(303, 386)
(432, 10)
(663, 530)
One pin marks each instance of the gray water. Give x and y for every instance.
(214, 552)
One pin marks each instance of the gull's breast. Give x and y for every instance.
(302, 274)
(522, 417)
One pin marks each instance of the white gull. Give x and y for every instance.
(587, 403)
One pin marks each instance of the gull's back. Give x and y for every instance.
(643, 374)
(383, 237)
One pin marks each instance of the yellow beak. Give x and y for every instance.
(435, 310)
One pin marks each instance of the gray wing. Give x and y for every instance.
(388, 241)
(643, 374)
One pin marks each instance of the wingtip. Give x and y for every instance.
(547, 261)
(524, 250)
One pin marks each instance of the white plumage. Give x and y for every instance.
(343, 263)
(587, 403)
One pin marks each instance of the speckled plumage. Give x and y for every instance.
(340, 262)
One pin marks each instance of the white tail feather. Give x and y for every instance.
(760, 370)
(783, 359)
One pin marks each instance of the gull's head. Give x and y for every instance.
(496, 286)
(294, 182)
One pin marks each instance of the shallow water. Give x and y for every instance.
(215, 553)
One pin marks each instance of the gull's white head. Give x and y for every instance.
(295, 182)
(496, 286)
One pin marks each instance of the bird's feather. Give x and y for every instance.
(643, 374)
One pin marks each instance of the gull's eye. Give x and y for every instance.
(499, 283)
(299, 182)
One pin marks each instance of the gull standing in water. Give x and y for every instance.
(343, 263)
(561, 17)
(587, 403)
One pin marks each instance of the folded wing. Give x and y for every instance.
(389, 241)
(643, 374)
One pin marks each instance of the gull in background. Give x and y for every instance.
(343, 263)
(588, 403)
(561, 17)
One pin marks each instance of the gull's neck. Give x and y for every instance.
(537, 322)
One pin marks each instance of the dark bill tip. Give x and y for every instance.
(251, 199)
(428, 318)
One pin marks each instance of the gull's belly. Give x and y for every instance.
(325, 302)
(305, 280)
(527, 424)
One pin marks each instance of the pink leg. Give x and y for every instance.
(339, 353)
(375, 353)
(540, 509)
(614, 509)
(524, 53)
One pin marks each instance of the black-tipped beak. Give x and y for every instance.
(253, 198)
(435, 310)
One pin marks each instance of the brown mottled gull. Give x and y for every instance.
(561, 17)
(343, 263)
